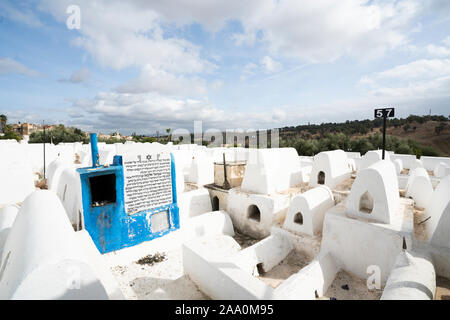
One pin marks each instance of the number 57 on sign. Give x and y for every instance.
(384, 112)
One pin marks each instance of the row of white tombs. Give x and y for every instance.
(387, 221)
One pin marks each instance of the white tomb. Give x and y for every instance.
(398, 165)
(306, 211)
(416, 163)
(441, 170)
(330, 168)
(438, 226)
(412, 278)
(419, 187)
(42, 259)
(372, 157)
(269, 171)
(374, 194)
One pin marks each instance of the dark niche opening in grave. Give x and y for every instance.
(366, 203)
(103, 189)
(215, 203)
(298, 218)
(254, 213)
(321, 177)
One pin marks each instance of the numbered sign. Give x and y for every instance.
(384, 112)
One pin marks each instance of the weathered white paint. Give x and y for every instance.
(208, 224)
(69, 193)
(333, 164)
(379, 182)
(313, 279)
(412, 278)
(416, 163)
(194, 203)
(268, 252)
(356, 244)
(202, 170)
(16, 183)
(441, 170)
(311, 207)
(398, 165)
(430, 163)
(8, 215)
(208, 262)
(351, 164)
(55, 170)
(419, 187)
(438, 208)
(269, 171)
(373, 156)
(41, 258)
(407, 159)
(353, 155)
(272, 210)
(305, 174)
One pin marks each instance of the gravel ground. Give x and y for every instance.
(161, 281)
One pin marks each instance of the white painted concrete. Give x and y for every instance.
(208, 263)
(412, 278)
(316, 277)
(438, 226)
(416, 163)
(8, 215)
(16, 183)
(194, 203)
(208, 224)
(419, 187)
(430, 163)
(407, 159)
(373, 156)
(68, 191)
(356, 244)
(243, 206)
(202, 170)
(268, 252)
(333, 164)
(41, 258)
(398, 165)
(269, 171)
(441, 170)
(375, 187)
(306, 211)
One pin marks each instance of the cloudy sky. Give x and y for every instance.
(141, 66)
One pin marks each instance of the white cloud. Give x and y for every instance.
(217, 84)
(9, 66)
(412, 82)
(20, 13)
(446, 41)
(120, 34)
(438, 51)
(80, 76)
(269, 64)
(418, 69)
(432, 89)
(109, 110)
(165, 83)
(319, 31)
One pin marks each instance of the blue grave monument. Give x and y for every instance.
(132, 200)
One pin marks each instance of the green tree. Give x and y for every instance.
(3, 121)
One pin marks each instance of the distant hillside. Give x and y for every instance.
(420, 135)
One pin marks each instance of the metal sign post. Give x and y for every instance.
(384, 113)
(43, 125)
